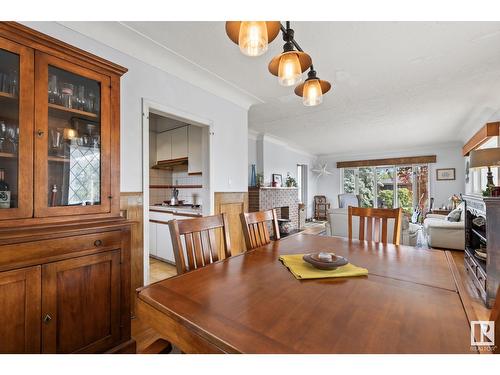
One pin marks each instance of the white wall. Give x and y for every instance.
(448, 156)
(145, 81)
(275, 156)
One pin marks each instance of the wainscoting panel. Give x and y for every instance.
(131, 207)
(233, 204)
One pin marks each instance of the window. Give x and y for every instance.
(302, 183)
(388, 186)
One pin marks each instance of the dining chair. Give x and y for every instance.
(255, 228)
(200, 239)
(374, 217)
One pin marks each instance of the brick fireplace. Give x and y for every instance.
(284, 200)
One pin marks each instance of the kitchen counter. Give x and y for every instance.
(180, 210)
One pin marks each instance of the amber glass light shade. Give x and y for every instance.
(312, 94)
(289, 70)
(69, 133)
(253, 38)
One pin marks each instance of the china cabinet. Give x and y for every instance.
(64, 249)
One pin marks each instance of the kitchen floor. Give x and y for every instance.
(159, 270)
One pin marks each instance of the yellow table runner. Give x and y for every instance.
(303, 270)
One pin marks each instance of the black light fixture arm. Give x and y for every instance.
(288, 36)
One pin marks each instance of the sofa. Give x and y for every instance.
(337, 225)
(444, 234)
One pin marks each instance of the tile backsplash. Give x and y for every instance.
(178, 176)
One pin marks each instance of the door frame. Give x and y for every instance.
(189, 118)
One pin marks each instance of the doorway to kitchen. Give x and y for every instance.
(176, 180)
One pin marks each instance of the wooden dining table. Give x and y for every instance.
(251, 303)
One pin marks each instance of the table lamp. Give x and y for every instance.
(488, 157)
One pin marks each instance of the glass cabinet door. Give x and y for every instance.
(72, 173)
(16, 130)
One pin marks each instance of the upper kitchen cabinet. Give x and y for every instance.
(59, 129)
(16, 130)
(179, 142)
(194, 149)
(164, 146)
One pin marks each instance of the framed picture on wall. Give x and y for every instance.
(277, 180)
(445, 174)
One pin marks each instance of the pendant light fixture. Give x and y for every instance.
(290, 64)
(252, 37)
(312, 89)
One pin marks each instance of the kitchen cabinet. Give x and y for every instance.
(164, 243)
(158, 224)
(179, 142)
(152, 237)
(194, 150)
(164, 146)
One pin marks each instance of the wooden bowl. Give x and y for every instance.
(319, 262)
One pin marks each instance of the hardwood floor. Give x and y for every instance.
(141, 332)
(159, 270)
(481, 311)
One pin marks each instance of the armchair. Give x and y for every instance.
(445, 234)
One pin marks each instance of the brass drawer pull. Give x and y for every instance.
(47, 318)
(97, 243)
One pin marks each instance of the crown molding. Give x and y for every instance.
(252, 134)
(432, 148)
(283, 143)
(127, 40)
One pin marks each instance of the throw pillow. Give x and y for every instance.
(454, 215)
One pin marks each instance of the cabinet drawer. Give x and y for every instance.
(39, 252)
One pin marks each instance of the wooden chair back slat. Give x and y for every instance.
(197, 249)
(375, 218)
(255, 228)
(200, 241)
(384, 230)
(377, 229)
(369, 227)
(362, 230)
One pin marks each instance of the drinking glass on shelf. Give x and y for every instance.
(4, 82)
(56, 141)
(13, 82)
(90, 129)
(12, 137)
(67, 95)
(81, 97)
(91, 102)
(3, 131)
(96, 140)
(54, 96)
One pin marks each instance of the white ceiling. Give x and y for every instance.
(395, 84)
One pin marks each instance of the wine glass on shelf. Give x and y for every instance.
(11, 137)
(3, 131)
